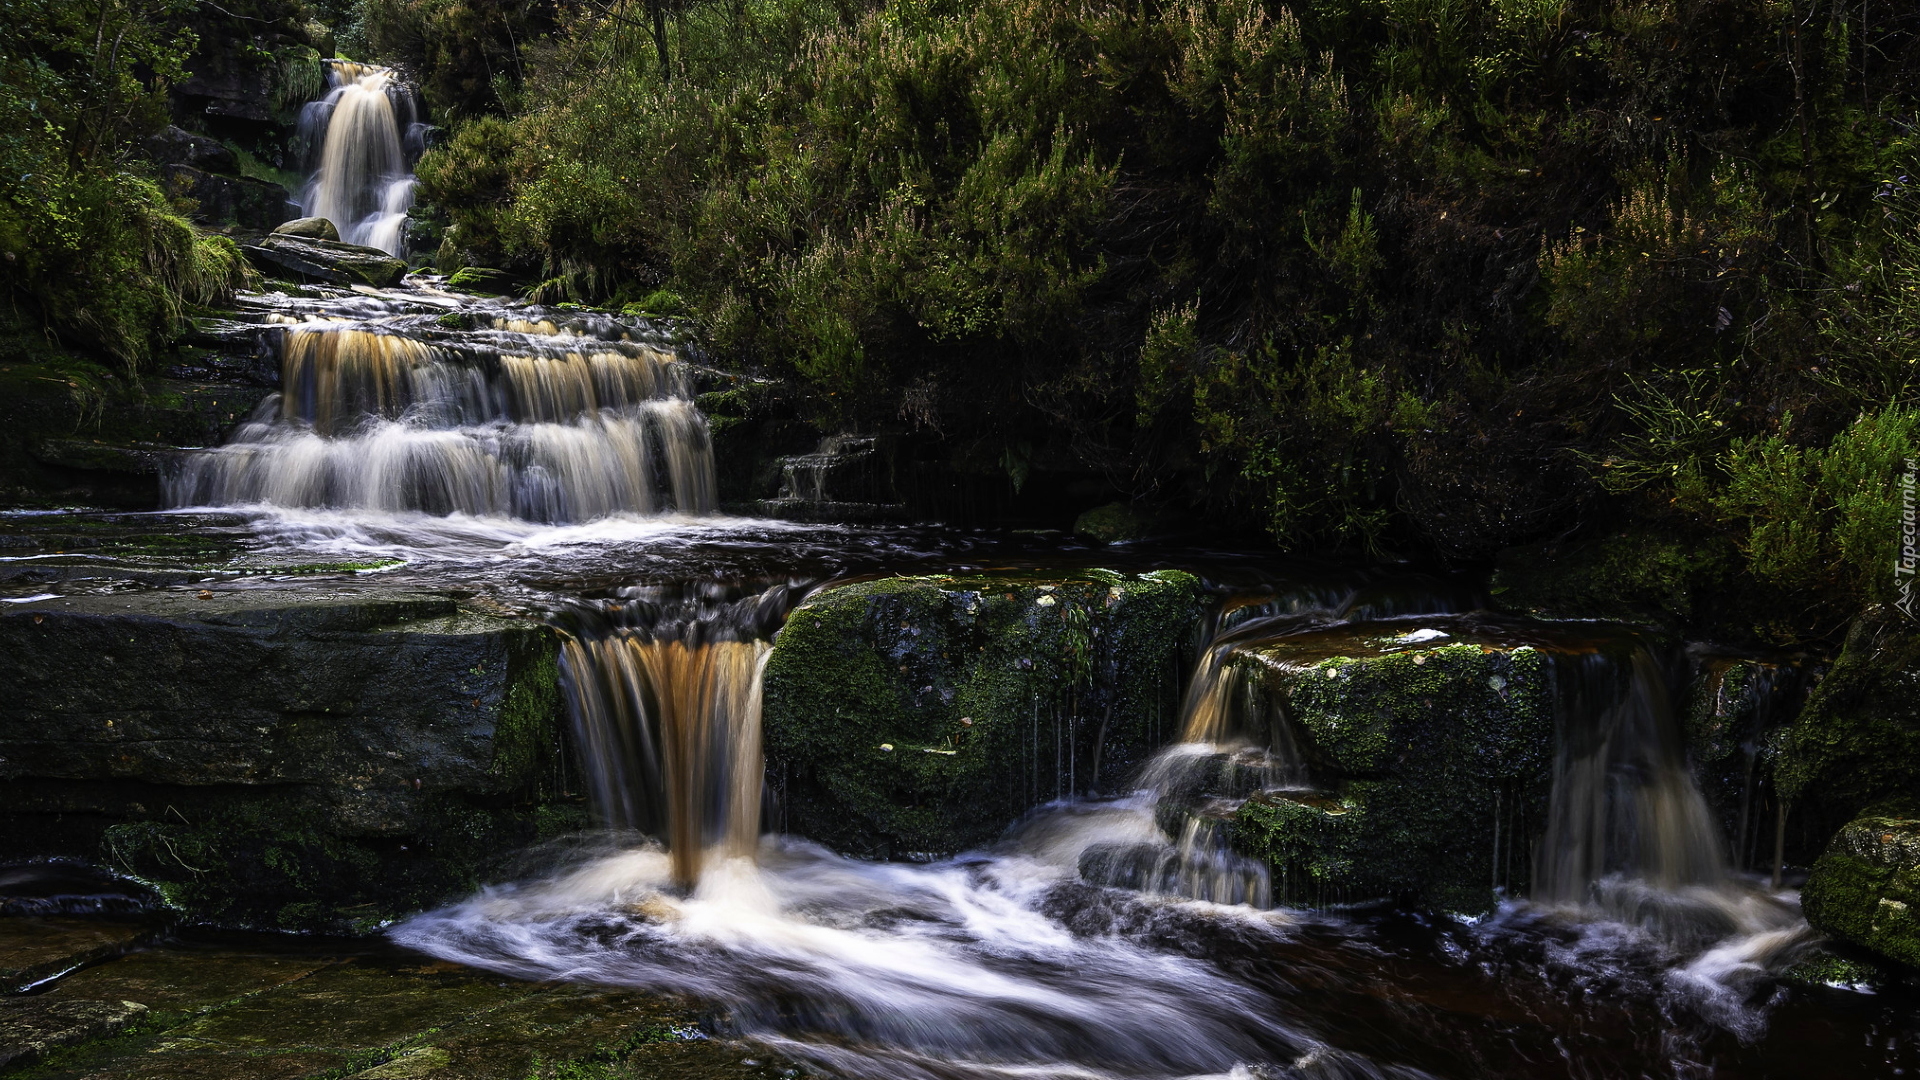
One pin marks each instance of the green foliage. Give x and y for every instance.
(466, 54)
(1394, 275)
(1822, 519)
(87, 241)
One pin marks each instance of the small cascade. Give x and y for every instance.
(363, 139)
(1232, 747)
(664, 690)
(525, 419)
(845, 478)
(1623, 804)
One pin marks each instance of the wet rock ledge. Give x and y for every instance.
(233, 1007)
(325, 757)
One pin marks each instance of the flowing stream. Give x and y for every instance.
(558, 460)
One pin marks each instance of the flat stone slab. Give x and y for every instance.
(327, 260)
(36, 948)
(29, 1027)
(277, 753)
(213, 1013)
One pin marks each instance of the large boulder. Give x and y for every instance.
(1866, 887)
(1430, 746)
(313, 228)
(917, 716)
(177, 146)
(326, 260)
(1856, 743)
(321, 757)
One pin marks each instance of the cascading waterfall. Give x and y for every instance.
(535, 423)
(364, 137)
(1623, 802)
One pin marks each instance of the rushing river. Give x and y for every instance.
(556, 462)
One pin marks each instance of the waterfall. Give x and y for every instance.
(663, 688)
(1623, 802)
(363, 139)
(671, 734)
(534, 422)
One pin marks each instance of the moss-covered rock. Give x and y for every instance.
(322, 757)
(326, 260)
(214, 1013)
(1866, 888)
(1432, 747)
(1114, 523)
(1857, 740)
(920, 715)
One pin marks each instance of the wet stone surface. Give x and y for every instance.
(233, 1007)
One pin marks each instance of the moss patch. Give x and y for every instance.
(1433, 763)
(1857, 740)
(1866, 888)
(917, 716)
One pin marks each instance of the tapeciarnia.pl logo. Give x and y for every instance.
(1909, 557)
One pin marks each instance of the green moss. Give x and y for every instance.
(915, 716)
(1866, 888)
(1857, 740)
(1434, 765)
(1114, 523)
(1830, 969)
(526, 735)
(481, 279)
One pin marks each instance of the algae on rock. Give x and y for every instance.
(1432, 756)
(916, 716)
(1866, 887)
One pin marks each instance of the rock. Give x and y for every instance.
(174, 146)
(1734, 707)
(34, 948)
(317, 757)
(313, 228)
(483, 280)
(1866, 888)
(1433, 755)
(104, 457)
(1114, 523)
(996, 693)
(326, 260)
(227, 200)
(30, 1027)
(215, 1013)
(1856, 742)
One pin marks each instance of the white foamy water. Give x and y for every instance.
(957, 969)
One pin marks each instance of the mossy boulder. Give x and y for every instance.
(1114, 523)
(316, 758)
(313, 228)
(1857, 740)
(915, 716)
(1430, 746)
(1866, 888)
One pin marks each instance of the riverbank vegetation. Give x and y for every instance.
(1399, 275)
(1416, 277)
(92, 251)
